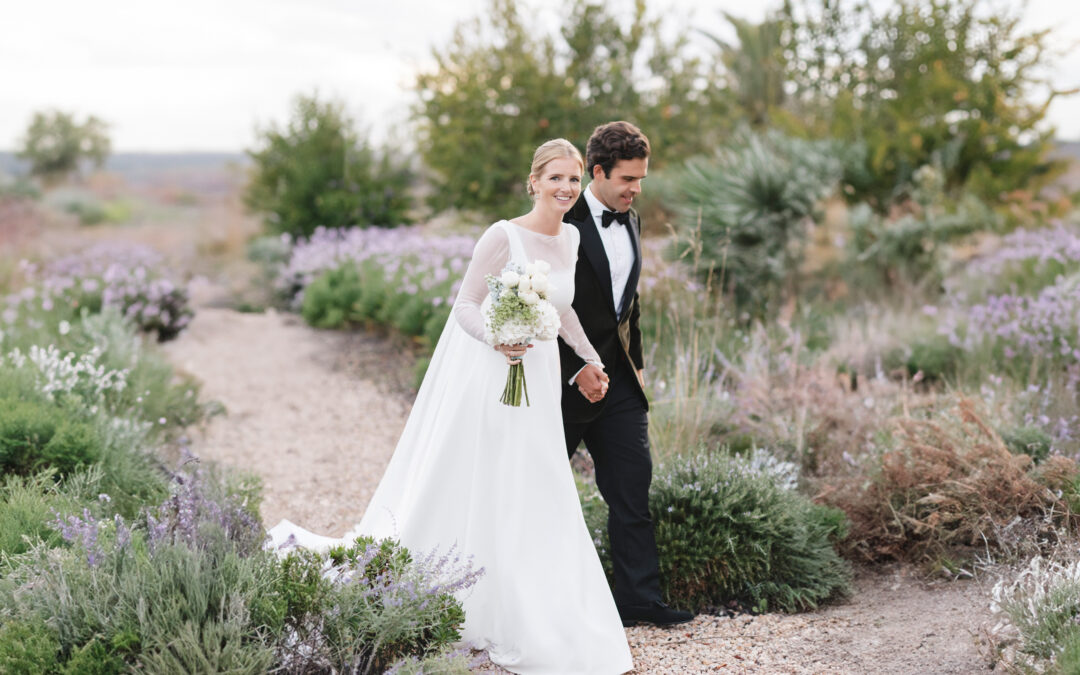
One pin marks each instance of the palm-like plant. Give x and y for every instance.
(747, 208)
(754, 66)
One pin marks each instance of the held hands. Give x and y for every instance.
(592, 382)
(513, 353)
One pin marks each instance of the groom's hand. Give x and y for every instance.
(592, 382)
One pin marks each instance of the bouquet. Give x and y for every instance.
(518, 313)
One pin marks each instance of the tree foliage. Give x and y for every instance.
(948, 83)
(318, 171)
(56, 144)
(500, 88)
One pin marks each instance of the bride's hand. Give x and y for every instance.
(513, 353)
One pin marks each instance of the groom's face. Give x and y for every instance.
(618, 190)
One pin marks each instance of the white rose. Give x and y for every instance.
(543, 267)
(524, 285)
(539, 282)
(509, 278)
(530, 298)
(531, 269)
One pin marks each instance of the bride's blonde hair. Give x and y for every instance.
(556, 148)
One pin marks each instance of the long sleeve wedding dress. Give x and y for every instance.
(494, 480)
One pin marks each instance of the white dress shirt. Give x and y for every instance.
(617, 247)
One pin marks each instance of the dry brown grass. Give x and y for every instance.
(807, 411)
(948, 486)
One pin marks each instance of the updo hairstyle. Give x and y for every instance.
(556, 148)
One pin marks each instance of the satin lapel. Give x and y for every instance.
(594, 249)
(635, 270)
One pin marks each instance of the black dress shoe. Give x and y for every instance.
(656, 613)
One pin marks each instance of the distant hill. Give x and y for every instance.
(200, 172)
(132, 164)
(1070, 149)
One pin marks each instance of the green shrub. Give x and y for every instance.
(1042, 602)
(458, 662)
(90, 212)
(330, 301)
(28, 648)
(411, 316)
(319, 172)
(1069, 659)
(36, 436)
(27, 506)
(393, 612)
(911, 249)
(935, 358)
(194, 591)
(1028, 440)
(727, 532)
(94, 658)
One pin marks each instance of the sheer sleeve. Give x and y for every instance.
(574, 335)
(571, 330)
(489, 257)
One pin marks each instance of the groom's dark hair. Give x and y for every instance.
(614, 141)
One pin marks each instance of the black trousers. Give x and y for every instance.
(618, 440)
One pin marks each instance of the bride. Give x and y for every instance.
(494, 479)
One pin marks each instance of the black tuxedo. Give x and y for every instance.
(615, 429)
(614, 332)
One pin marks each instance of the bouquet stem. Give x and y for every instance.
(515, 386)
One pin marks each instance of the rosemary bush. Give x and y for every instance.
(730, 529)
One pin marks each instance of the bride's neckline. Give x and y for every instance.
(538, 234)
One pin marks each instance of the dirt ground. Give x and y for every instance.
(316, 414)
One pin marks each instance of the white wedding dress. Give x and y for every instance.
(495, 481)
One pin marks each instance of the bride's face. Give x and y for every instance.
(558, 185)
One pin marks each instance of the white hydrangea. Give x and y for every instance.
(549, 322)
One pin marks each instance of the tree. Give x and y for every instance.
(318, 171)
(755, 67)
(500, 88)
(55, 144)
(948, 83)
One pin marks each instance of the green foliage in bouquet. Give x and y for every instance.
(317, 171)
(727, 533)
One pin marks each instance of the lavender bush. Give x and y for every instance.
(1027, 338)
(361, 608)
(123, 276)
(415, 260)
(1024, 262)
(221, 602)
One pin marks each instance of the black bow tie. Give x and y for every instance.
(606, 218)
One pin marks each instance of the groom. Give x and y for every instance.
(609, 410)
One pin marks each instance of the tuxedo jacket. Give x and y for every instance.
(612, 330)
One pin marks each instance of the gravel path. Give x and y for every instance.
(317, 414)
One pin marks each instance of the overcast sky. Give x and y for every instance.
(199, 75)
